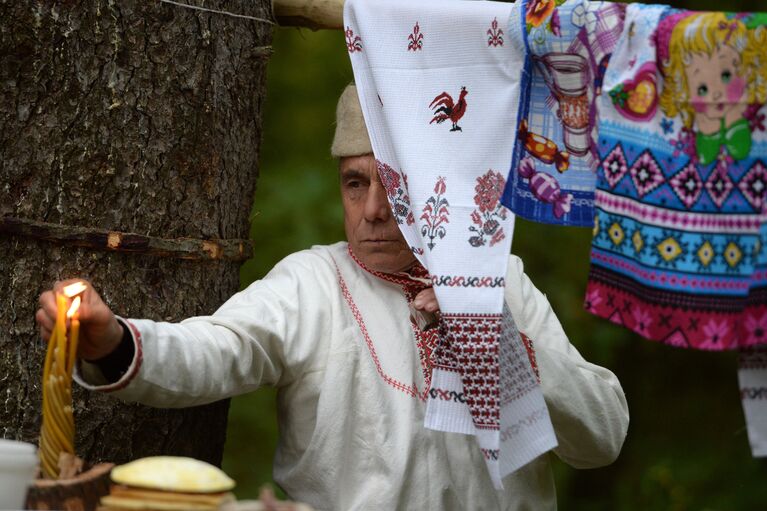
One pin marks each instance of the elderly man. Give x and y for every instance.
(338, 329)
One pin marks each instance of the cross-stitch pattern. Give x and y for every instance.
(440, 119)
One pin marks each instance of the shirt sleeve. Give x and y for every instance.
(263, 335)
(586, 402)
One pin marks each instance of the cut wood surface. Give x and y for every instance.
(80, 493)
(314, 14)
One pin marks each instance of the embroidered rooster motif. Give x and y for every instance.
(445, 108)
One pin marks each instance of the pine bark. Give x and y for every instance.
(135, 117)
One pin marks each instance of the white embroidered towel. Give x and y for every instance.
(752, 376)
(438, 81)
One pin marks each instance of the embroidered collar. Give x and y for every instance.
(416, 277)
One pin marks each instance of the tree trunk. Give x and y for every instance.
(124, 117)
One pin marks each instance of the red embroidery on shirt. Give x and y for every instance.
(413, 281)
(138, 358)
(531, 354)
(426, 342)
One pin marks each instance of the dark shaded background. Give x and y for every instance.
(687, 447)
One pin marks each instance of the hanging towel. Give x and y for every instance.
(682, 180)
(439, 87)
(677, 254)
(568, 46)
(752, 376)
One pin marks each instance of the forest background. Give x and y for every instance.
(687, 447)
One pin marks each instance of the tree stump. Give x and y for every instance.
(134, 126)
(80, 493)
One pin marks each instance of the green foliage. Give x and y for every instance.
(687, 448)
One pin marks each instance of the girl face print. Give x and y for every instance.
(715, 88)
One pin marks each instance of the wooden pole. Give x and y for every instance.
(313, 14)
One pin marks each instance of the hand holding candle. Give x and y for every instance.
(99, 331)
(63, 311)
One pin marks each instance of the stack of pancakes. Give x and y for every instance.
(167, 483)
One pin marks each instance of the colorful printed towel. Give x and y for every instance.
(553, 167)
(439, 86)
(682, 180)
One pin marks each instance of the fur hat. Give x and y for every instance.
(351, 138)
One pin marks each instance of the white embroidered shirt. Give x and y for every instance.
(339, 344)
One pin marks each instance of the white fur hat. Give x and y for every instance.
(351, 138)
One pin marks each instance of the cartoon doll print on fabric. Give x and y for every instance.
(681, 195)
(712, 81)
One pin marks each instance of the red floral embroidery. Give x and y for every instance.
(486, 218)
(395, 185)
(494, 34)
(435, 214)
(353, 42)
(138, 359)
(415, 40)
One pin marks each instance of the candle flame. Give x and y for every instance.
(74, 289)
(73, 308)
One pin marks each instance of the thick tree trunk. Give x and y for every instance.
(124, 117)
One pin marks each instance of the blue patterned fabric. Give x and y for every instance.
(568, 45)
(677, 254)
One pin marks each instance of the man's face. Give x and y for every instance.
(370, 227)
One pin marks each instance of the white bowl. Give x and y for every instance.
(18, 464)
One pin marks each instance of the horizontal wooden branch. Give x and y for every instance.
(115, 241)
(314, 14)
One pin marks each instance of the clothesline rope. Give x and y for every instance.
(216, 11)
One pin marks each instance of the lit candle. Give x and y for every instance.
(74, 334)
(58, 429)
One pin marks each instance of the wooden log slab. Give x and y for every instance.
(313, 14)
(80, 493)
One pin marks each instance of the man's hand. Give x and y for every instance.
(426, 301)
(424, 309)
(100, 332)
